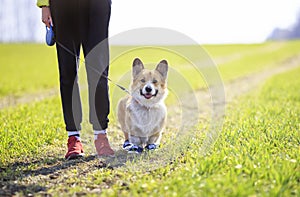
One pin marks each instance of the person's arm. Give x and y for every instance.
(46, 14)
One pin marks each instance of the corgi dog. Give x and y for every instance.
(143, 114)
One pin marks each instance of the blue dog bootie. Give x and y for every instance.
(135, 149)
(152, 146)
(50, 36)
(127, 145)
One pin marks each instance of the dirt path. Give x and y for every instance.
(243, 85)
(239, 55)
(54, 171)
(11, 101)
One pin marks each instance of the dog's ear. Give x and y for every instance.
(162, 68)
(137, 67)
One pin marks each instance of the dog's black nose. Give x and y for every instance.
(148, 89)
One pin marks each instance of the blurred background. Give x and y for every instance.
(207, 22)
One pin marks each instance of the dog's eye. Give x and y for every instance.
(143, 80)
(154, 81)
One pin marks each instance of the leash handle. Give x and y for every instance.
(50, 40)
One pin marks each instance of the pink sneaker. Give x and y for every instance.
(102, 146)
(75, 149)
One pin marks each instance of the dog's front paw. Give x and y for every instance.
(135, 149)
(152, 146)
(127, 145)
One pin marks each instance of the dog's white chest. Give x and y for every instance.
(147, 121)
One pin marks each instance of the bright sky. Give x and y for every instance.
(207, 21)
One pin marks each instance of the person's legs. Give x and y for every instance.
(67, 36)
(96, 50)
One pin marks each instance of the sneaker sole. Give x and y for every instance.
(100, 156)
(75, 156)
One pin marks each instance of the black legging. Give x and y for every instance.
(76, 23)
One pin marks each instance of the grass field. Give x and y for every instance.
(35, 66)
(257, 153)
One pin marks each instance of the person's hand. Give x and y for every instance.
(46, 16)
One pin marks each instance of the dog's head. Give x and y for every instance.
(149, 86)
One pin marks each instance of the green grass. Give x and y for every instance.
(226, 50)
(30, 131)
(257, 153)
(32, 68)
(255, 62)
(27, 68)
(250, 58)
